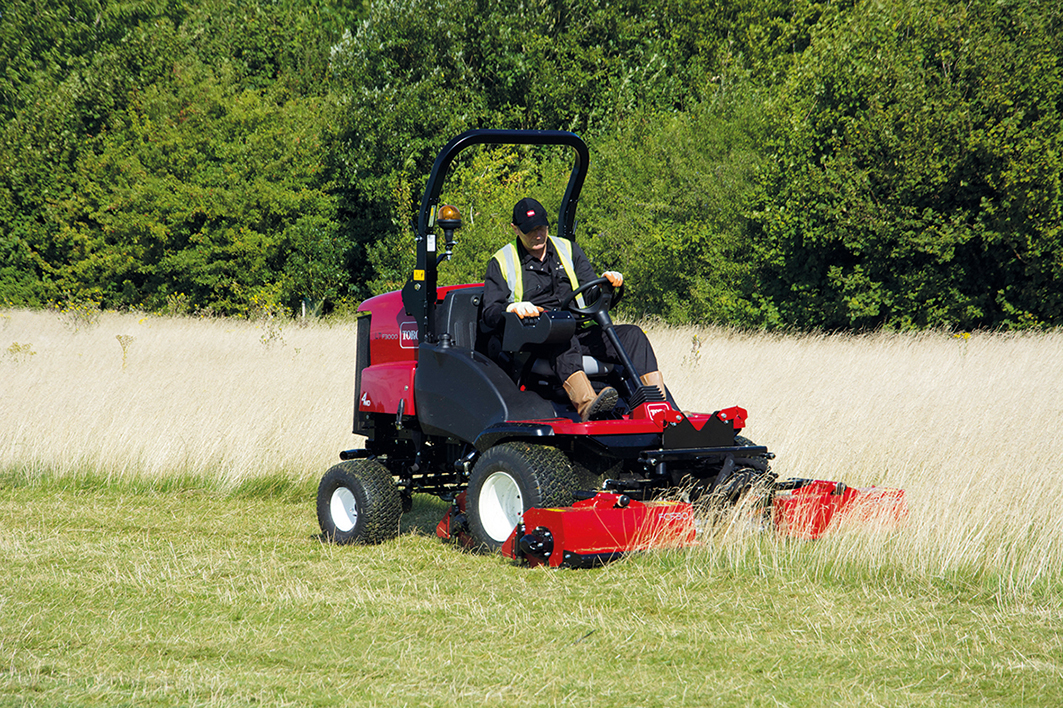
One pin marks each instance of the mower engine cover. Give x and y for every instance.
(595, 531)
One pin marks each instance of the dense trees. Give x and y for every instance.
(152, 150)
(916, 178)
(757, 162)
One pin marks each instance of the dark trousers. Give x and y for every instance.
(568, 359)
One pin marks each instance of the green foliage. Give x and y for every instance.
(314, 266)
(664, 206)
(484, 185)
(485, 189)
(754, 162)
(207, 189)
(155, 149)
(418, 72)
(916, 179)
(63, 70)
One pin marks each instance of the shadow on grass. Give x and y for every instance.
(424, 516)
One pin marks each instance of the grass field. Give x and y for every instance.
(160, 546)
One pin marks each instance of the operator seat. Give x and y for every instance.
(459, 316)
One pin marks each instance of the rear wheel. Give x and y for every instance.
(511, 478)
(358, 502)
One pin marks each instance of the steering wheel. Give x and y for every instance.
(599, 312)
(602, 304)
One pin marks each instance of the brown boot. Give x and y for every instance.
(654, 378)
(587, 402)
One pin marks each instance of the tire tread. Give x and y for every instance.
(378, 521)
(546, 470)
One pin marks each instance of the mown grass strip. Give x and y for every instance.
(116, 596)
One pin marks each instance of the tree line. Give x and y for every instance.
(761, 163)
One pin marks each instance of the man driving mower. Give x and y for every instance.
(534, 273)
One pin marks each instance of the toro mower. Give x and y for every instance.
(453, 409)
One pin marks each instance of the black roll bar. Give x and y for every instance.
(419, 293)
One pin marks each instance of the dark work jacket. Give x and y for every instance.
(545, 281)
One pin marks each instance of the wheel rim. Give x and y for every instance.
(344, 509)
(500, 505)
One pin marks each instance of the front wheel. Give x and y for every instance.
(508, 480)
(358, 502)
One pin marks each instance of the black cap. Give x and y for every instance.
(529, 214)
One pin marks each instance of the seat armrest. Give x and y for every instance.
(551, 327)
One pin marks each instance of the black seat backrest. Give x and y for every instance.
(459, 316)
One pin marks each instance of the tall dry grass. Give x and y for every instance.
(224, 400)
(968, 426)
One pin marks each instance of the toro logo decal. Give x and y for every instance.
(656, 410)
(662, 413)
(675, 516)
(408, 335)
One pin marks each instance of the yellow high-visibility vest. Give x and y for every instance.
(509, 261)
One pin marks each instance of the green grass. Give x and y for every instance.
(115, 595)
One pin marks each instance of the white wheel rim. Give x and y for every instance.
(500, 505)
(344, 509)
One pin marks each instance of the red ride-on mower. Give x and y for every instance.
(498, 438)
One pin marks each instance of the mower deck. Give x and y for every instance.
(597, 530)
(604, 528)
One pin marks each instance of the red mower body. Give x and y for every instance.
(386, 384)
(809, 511)
(606, 527)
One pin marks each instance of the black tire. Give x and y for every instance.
(508, 480)
(358, 502)
(591, 471)
(751, 474)
(760, 463)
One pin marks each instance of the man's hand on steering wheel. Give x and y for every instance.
(597, 309)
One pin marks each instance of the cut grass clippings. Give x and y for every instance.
(194, 597)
